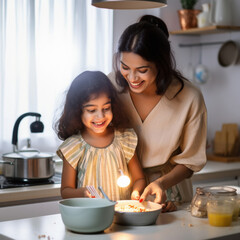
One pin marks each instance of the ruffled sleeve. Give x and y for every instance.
(71, 150)
(128, 140)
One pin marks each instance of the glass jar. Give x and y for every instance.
(199, 201)
(236, 212)
(220, 210)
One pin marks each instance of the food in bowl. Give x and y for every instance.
(86, 215)
(134, 213)
(130, 208)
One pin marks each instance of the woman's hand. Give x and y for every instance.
(154, 188)
(135, 195)
(168, 207)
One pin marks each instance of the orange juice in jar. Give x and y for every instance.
(220, 219)
(220, 211)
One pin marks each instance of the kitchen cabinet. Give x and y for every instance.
(206, 30)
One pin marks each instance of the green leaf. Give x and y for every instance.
(188, 4)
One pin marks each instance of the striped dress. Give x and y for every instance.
(100, 166)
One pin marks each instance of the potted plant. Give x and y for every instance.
(188, 15)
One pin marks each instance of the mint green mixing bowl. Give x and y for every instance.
(86, 215)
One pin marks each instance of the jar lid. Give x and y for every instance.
(220, 190)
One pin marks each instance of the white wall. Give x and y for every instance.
(222, 90)
(123, 18)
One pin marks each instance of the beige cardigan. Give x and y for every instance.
(174, 132)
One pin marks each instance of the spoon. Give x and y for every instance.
(104, 194)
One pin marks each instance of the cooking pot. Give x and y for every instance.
(28, 165)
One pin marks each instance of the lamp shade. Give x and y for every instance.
(129, 4)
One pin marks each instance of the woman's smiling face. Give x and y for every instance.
(97, 114)
(139, 73)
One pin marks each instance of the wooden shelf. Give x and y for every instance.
(206, 30)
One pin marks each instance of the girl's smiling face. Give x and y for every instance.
(97, 114)
(139, 73)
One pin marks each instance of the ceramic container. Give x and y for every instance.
(201, 74)
(137, 218)
(86, 215)
(221, 12)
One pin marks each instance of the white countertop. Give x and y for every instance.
(170, 226)
(49, 192)
(217, 170)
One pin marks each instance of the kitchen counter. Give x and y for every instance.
(218, 170)
(171, 226)
(14, 196)
(33, 194)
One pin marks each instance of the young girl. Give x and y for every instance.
(97, 143)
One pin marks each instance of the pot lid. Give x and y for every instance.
(27, 154)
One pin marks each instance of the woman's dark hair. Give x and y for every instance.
(149, 39)
(84, 87)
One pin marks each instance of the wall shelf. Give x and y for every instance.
(206, 30)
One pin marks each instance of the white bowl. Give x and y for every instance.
(86, 215)
(137, 218)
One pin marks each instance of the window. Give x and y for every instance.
(44, 45)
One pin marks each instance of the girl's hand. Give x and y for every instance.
(168, 207)
(86, 193)
(154, 188)
(135, 195)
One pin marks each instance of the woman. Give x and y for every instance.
(167, 112)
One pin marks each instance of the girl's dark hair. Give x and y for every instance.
(149, 39)
(85, 86)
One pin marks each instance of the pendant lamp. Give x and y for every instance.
(129, 4)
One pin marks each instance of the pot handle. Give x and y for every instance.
(6, 162)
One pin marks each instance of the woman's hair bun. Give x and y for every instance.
(155, 21)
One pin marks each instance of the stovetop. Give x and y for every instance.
(8, 183)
